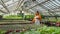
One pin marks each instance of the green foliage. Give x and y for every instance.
(45, 30)
(2, 31)
(41, 30)
(13, 17)
(29, 16)
(19, 17)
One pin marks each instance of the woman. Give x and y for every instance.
(37, 18)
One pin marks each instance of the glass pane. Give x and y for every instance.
(58, 1)
(1, 6)
(39, 1)
(5, 1)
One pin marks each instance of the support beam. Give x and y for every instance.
(49, 12)
(2, 3)
(54, 2)
(19, 4)
(38, 4)
(46, 9)
(56, 8)
(3, 11)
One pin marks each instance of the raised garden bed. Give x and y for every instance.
(40, 30)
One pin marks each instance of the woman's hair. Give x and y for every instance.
(37, 13)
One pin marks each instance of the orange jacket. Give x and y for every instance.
(39, 17)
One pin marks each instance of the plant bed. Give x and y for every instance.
(58, 24)
(44, 30)
(50, 23)
(38, 30)
(1, 17)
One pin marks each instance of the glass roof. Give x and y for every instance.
(45, 7)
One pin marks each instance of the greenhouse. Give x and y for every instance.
(29, 16)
